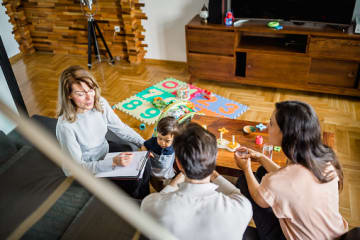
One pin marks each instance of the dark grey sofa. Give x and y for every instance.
(38, 202)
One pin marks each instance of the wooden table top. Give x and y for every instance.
(225, 160)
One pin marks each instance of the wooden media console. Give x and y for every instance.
(311, 57)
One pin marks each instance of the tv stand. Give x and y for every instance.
(338, 27)
(298, 23)
(310, 57)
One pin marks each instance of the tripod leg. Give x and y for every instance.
(89, 43)
(96, 46)
(103, 40)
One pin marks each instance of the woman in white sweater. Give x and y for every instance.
(84, 117)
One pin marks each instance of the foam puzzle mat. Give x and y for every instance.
(140, 106)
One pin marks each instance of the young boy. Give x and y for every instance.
(162, 152)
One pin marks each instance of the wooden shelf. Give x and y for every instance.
(269, 46)
(61, 27)
(312, 57)
(270, 50)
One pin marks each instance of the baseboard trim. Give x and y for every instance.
(152, 60)
(15, 58)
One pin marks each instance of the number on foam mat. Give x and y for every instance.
(232, 108)
(170, 84)
(133, 104)
(150, 113)
(207, 101)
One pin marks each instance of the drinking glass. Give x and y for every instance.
(267, 150)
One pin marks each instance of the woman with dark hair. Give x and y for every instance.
(300, 200)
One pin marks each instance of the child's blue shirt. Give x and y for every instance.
(163, 160)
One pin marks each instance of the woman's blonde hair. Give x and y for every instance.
(75, 75)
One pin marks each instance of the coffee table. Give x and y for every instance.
(225, 160)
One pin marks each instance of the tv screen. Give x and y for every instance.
(338, 12)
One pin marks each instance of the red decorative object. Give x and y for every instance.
(229, 19)
(259, 140)
(207, 94)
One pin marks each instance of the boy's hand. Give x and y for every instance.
(123, 159)
(177, 180)
(214, 175)
(143, 148)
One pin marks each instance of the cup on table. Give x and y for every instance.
(267, 150)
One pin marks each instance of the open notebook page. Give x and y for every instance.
(132, 170)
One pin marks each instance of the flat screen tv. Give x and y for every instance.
(333, 12)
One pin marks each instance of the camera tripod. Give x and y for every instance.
(92, 24)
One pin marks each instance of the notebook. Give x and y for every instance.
(134, 170)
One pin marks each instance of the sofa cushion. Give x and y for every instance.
(98, 221)
(46, 122)
(49, 124)
(7, 148)
(60, 216)
(27, 179)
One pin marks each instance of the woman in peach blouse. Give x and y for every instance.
(300, 200)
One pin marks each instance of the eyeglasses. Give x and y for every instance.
(90, 92)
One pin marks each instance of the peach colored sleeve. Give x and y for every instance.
(265, 192)
(271, 194)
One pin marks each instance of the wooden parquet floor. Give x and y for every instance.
(38, 74)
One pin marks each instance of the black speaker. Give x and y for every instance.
(217, 10)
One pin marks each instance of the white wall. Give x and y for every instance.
(165, 27)
(12, 48)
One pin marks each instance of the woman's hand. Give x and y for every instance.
(255, 155)
(242, 158)
(243, 155)
(123, 159)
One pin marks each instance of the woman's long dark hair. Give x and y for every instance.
(302, 142)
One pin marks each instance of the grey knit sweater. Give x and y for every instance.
(85, 140)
